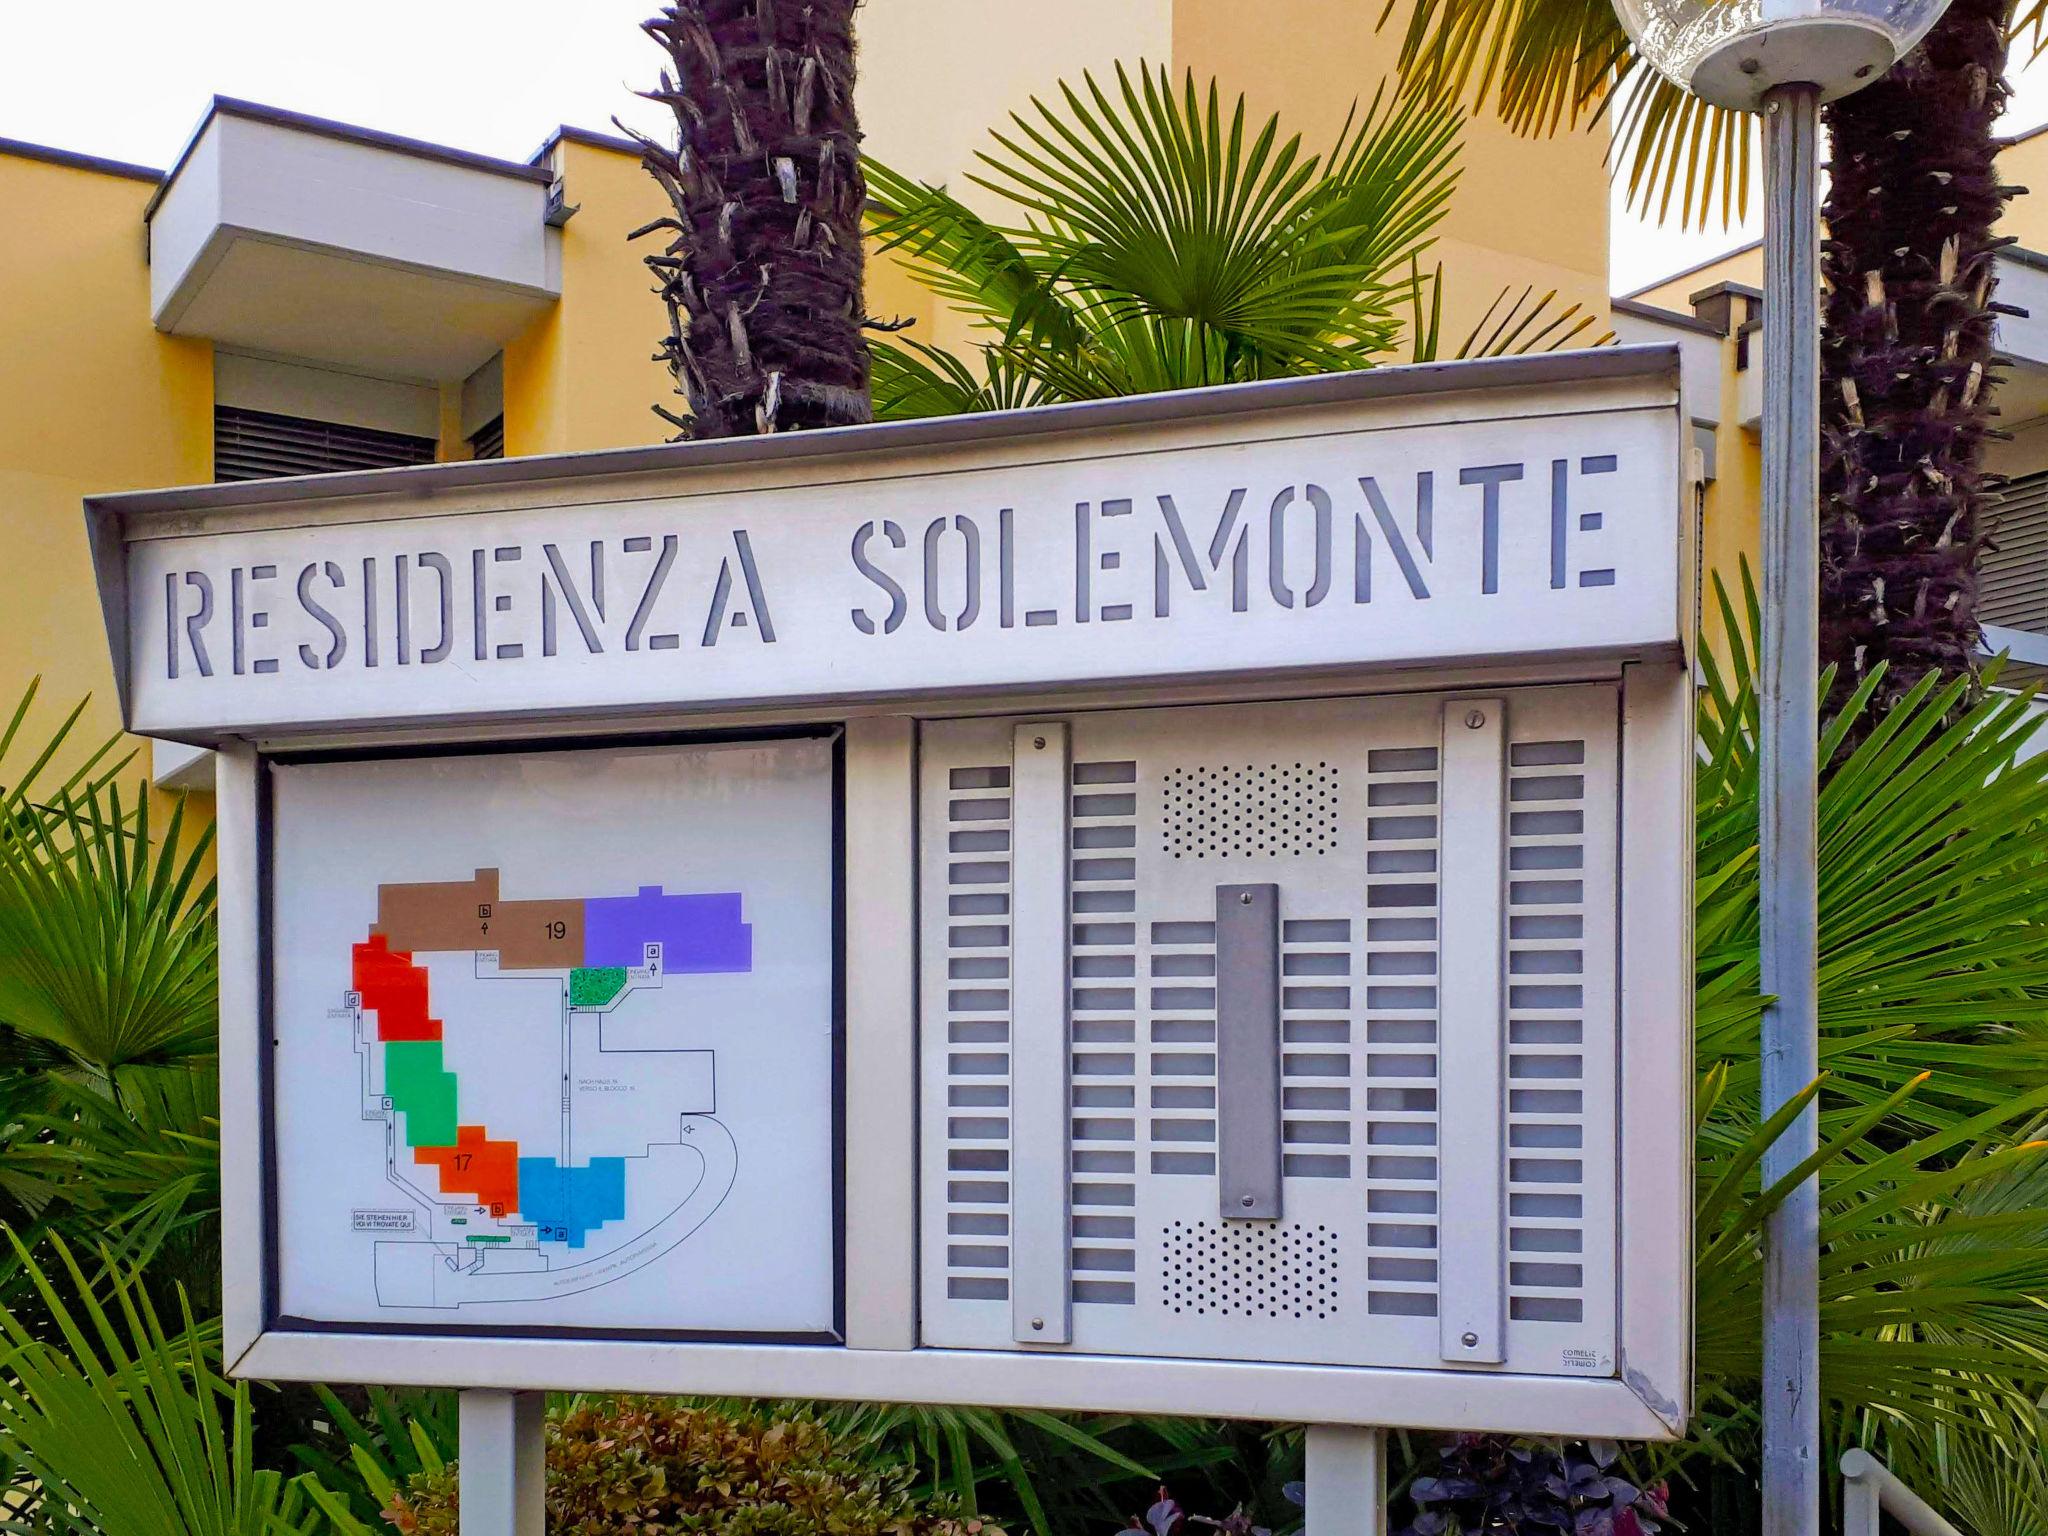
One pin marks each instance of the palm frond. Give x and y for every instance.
(107, 937)
(1934, 1044)
(120, 1423)
(911, 380)
(1514, 325)
(1550, 65)
(1168, 243)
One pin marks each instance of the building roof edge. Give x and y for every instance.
(49, 154)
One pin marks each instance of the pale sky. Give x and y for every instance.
(496, 79)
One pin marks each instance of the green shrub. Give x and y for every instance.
(652, 1468)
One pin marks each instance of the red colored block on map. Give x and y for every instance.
(395, 990)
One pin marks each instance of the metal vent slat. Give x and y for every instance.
(1102, 847)
(1403, 790)
(262, 445)
(1547, 907)
(977, 835)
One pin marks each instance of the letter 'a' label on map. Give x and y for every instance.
(555, 1040)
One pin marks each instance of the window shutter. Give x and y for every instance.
(488, 440)
(2013, 579)
(260, 445)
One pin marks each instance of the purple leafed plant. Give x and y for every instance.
(1484, 1484)
(1167, 1518)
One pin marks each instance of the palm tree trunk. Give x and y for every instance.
(762, 275)
(1906, 355)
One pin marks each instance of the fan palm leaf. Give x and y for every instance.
(107, 940)
(1543, 65)
(113, 1422)
(1167, 243)
(1934, 1045)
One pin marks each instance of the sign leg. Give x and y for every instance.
(1345, 1485)
(503, 1454)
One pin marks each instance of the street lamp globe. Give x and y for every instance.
(1732, 52)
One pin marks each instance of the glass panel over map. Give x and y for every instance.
(554, 1039)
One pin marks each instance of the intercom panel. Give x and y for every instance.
(1278, 1032)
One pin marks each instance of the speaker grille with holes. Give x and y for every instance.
(1271, 1269)
(1259, 810)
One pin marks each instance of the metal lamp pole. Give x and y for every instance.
(1782, 59)
(1787, 690)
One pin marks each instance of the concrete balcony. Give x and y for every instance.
(2022, 397)
(282, 234)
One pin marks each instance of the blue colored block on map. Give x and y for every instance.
(568, 1204)
(698, 933)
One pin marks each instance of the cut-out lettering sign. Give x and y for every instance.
(1224, 553)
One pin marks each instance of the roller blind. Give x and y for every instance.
(488, 440)
(2013, 578)
(260, 445)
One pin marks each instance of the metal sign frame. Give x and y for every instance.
(881, 1357)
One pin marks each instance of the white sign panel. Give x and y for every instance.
(1237, 549)
(1223, 1024)
(554, 1040)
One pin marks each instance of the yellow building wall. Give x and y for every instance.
(937, 75)
(583, 376)
(2024, 163)
(1743, 265)
(92, 399)
(1527, 212)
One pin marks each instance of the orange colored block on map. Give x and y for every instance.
(484, 1170)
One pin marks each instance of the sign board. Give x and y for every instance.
(1115, 907)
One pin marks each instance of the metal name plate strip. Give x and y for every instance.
(1041, 1288)
(1471, 1224)
(1248, 1052)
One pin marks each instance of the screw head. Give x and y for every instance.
(1244, 898)
(1474, 719)
(1753, 66)
(1038, 742)
(1469, 1340)
(1038, 1325)
(1247, 1201)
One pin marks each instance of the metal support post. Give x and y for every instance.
(503, 1455)
(1787, 683)
(1344, 1486)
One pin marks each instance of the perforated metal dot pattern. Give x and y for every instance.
(1271, 1269)
(1232, 811)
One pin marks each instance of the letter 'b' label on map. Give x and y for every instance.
(555, 1040)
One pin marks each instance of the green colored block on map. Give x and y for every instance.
(592, 986)
(480, 1237)
(417, 1083)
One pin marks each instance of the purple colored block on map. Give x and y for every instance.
(697, 933)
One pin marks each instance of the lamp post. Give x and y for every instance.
(1782, 59)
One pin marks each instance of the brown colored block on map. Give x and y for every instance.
(467, 914)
